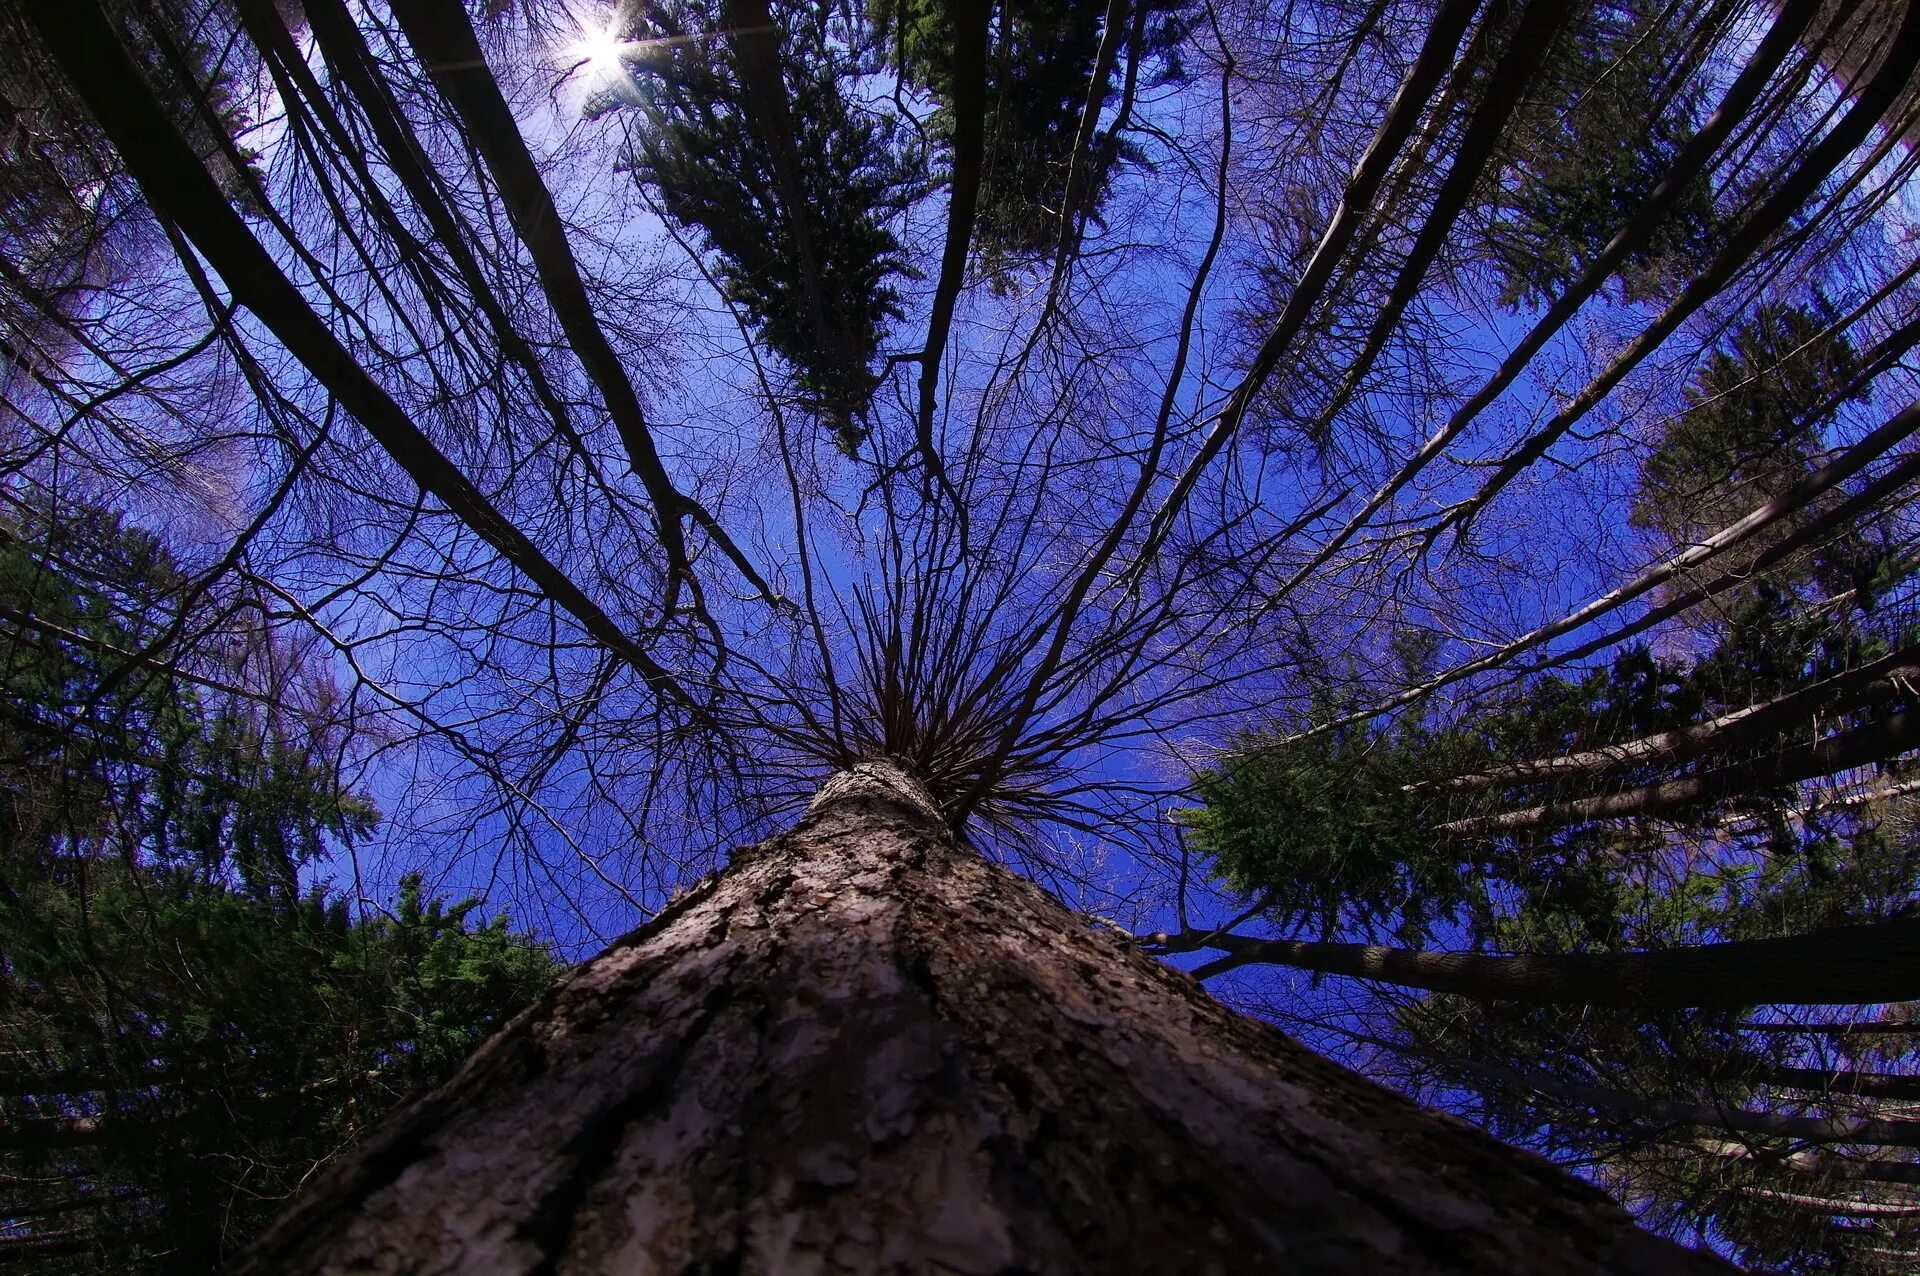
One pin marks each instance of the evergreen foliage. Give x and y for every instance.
(796, 204)
(1749, 425)
(1325, 830)
(1337, 832)
(186, 1033)
(1580, 162)
(1041, 64)
(1363, 829)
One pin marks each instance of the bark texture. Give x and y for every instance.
(865, 1049)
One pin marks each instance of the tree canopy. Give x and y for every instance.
(186, 1031)
(1353, 486)
(1593, 877)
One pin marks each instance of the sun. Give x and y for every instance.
(596, 55)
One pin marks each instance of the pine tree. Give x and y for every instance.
(1595, 877)
(186, 1032)
(1581, 161)
(1049, 66)
(751, 131)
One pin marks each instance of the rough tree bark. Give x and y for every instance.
(863, 1048)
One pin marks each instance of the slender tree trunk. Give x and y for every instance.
(1907, 1172)
(1835, 1206)
(443, 39)
(1800, 710)
(26, 1247)
(1842, 751)
(863, 1048)
(1824, 1168)
(1877, 1085)
(968, 105)
(1846, 966)
(1856, 1028)
(1863, 1130)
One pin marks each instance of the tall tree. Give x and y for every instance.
(519, 446)
(1620, 864)
(1594, 955)
(1583, 160)
(788, 1067)
(179, 1057)
(1050, 72)
(751, 132)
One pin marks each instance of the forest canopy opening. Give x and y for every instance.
(1403, 508)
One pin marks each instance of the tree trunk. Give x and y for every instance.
(1845, 966)
(1855, 1028)
(1835, 1206)
(1825, 1168)
(967, 106)
(1799, 710)
(444, 41)
(1848, 1081)
(864, 1048)
(1860, 1130)
(1842, 751)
